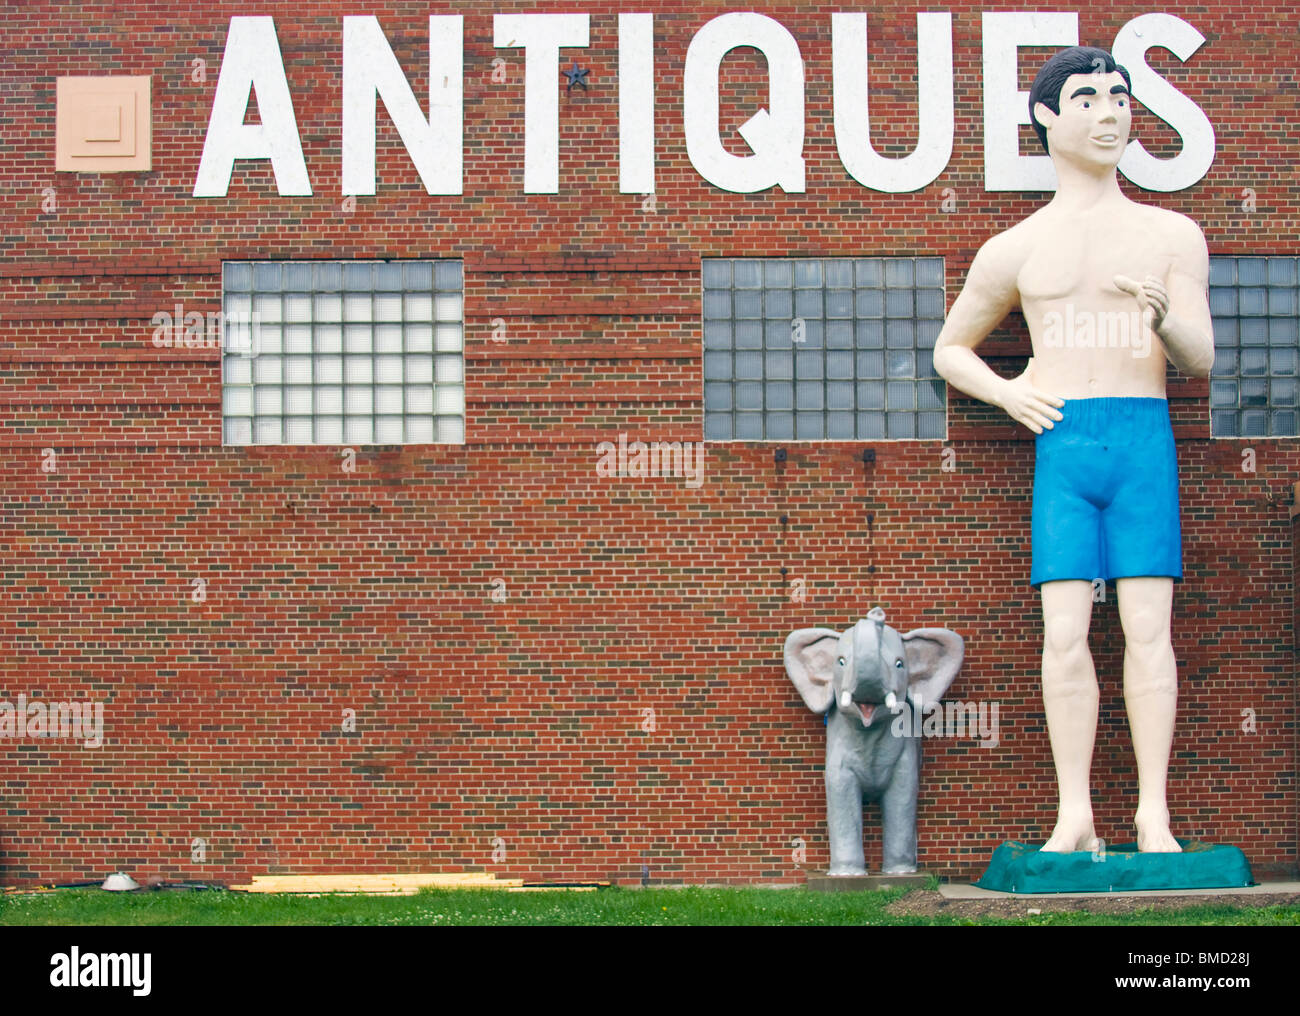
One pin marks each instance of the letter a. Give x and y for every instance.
(252, 62)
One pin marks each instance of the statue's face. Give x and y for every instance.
(1094, 121)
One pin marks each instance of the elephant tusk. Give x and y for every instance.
(891, 700)
(846, 699)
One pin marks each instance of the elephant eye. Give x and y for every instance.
(840, 661)
(898, 664)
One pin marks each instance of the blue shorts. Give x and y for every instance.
(1106, 493)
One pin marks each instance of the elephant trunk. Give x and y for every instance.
(869, 678)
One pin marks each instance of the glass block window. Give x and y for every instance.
(838, 349)
(343, 352)
(1253, 388)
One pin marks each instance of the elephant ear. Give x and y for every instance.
(810, 661)
(934, 657)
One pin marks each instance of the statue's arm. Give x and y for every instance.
(1180, 303)
(1187, 330)
(986, 298)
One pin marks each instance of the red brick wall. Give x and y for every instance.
(371, 590)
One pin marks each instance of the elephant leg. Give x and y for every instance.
(844, 823)
(898, 812)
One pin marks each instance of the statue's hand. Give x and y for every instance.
(1026, 404)
(1151, 296)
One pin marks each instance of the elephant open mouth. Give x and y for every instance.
(865, 712)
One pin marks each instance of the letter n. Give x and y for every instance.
(371, 71)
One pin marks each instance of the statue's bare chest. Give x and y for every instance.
(1079, 260)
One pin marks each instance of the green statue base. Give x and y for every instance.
(1020, 868)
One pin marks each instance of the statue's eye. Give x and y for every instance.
(1087, 104)
(841, 661)
(898, 664)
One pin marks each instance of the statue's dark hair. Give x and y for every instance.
(1053, 74)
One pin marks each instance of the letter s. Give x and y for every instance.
(1166, 102)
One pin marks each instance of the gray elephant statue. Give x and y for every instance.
(871, 678)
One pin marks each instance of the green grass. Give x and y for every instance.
(691, 906)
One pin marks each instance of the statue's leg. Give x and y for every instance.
(1070, 701)
(1151, 696)
(844, 822)
(898, 811)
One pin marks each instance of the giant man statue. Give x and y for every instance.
(1105, 477)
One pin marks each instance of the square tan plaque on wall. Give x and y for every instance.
(102, 125)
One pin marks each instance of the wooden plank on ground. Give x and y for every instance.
(389, 883)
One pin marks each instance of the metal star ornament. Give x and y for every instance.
(576, 77)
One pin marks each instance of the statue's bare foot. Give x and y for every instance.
(1154, 836)
(1073, 832)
